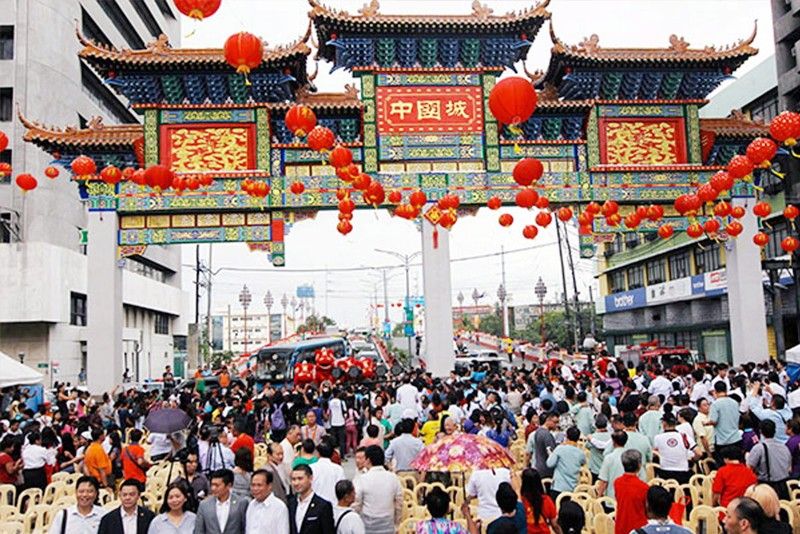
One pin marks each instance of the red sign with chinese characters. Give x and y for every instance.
(429, 109)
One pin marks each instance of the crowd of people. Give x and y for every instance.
(334, 451)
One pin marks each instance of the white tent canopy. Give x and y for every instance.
(13, 373)
(793, 354)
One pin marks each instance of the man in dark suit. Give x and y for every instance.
(308, 513)
(222, 513)
(129, 518)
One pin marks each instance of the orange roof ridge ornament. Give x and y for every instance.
(558, 45)
(535, 77)
(371, 9)
(96, 134)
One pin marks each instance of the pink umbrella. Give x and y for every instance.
(462, 452)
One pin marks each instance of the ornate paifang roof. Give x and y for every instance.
(737, 125)
(678, 53)
(482, 18)
(160, 54)
(95, 136)
(349, 99)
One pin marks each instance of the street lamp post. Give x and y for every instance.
(408, 309)
(476, 296)
(245, 298)
(541, 290)
(293, 307)
(284, 303)
(502, 295)
(268, 302)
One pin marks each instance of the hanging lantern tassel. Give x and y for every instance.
(769, 227)
(780, 175)
(436, 237)
(244, 70)
(794, 151)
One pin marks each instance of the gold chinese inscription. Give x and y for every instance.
(213, 148)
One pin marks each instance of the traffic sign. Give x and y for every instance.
(42, 365)
(408, 330)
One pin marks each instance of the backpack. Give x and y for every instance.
(277, 420)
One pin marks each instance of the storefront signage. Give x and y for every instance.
(627, 300)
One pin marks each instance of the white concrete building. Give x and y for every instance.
(228, 330)
(46, 318)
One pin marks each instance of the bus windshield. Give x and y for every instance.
(272, 363)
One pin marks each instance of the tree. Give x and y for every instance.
(557, 329)
(315, 324)
(491, 324)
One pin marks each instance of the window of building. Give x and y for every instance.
(6, 104)
(689, 340)
(161, 323)
(147, 17)
(707, 258)
(635, 277)
(91, 30)
(631, 241)
(616, 281)
(77, 309)
(121, 23)
(665, 339)
(778, 233)
(679, 265)
(6, 42)
(656, 271)
(145, 269)
(765, 108)
(616, 245)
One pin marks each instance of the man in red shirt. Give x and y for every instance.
(133, 463)
(631, 495)
(9, 468)
(733, 478)
(242, 439)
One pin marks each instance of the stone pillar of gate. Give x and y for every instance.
(104, 312)
(746, 307)
(439, 355)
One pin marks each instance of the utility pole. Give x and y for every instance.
(268, 302)
(564, 279)
(197, 285)
(575, 296)
(504, 298)
(208, 308)
(591, 303)
(386, 322)
(230, 339)
(408, 309)
(244, 299)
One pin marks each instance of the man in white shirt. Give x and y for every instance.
(308, 512)
(379, 496)
(84, 516)
(289, 451)
(407, 394)
(265, 511)
(483, 484)
(660, 385)
(722, 376)
(326, 473)
(129, 518)
(338, 409)
(700, 389)
(223, 512)
(345, 519)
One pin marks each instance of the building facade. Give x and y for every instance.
(675, 291)
(45, 313)
(237, 333)
(786, 26)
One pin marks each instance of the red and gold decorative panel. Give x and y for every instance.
(217, 147)
(429, 109)
(642, 141)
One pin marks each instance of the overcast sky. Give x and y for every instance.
(316, 245)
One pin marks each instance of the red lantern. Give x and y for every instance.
(374, 194)
(711, 226)
(564, 214)
(3, 141)
(593, 208)
(694, 230)
(610, 207)
(722, 181)
(297, 188)
(585, 219)
(300, 120)
(138, 177)
(688, 204)
(348, 173)
(111, 175)
(734, 228)
(707, 193)
(737, 212)
(178, 184)
(83, 167)
(527, 171)
(362, 182)
(740, 166)
(722, 209)
(417, 199)
(206, 180)
(344, 227)
(340, 156)
(761, 151)
(584, 230)
(790, 244)
(494, 203)
(526, 198)
(449, 202)
(198, 9)
(761, 239)
(632, 221)
(158, 177)
(506, 219)
(513, 100)
(262, 189)
(530, 232)
(655, 212)
(641, 212)
(51, 172)
(342, 194)
(543, 218)
(345, 216)
(665, 231)
(321, 138)
(614, 219)
(395, 197)
(127, 173)
(244, 52)
(193, 184)
(791, 212)
(785, 128)
(762, 209)
(5, 169)
(447, 220)
(543, 203)
(26, 182)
